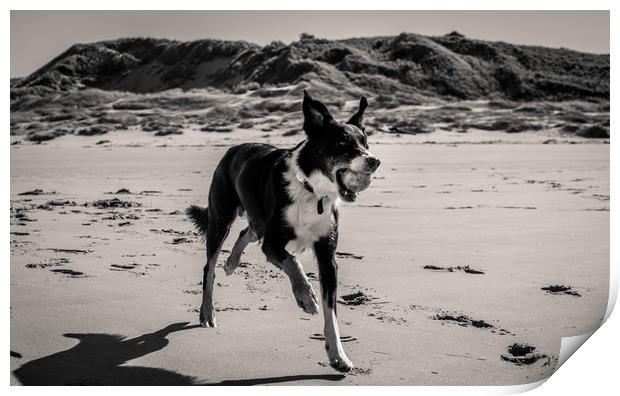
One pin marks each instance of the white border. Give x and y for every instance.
(592, 371)
(455, 5)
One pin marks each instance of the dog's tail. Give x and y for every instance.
(200, 217)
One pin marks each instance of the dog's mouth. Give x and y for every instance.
(345, 193)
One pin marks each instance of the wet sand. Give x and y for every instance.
(447, 252)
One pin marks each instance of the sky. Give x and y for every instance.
(39, 36)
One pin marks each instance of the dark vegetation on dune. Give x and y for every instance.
(162, 86)
(450, 65)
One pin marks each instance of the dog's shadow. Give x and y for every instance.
(98, 360)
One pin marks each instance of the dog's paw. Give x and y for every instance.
(306, 299)
(341, 364)
(207, 318)
(210, 323)
(231, 265)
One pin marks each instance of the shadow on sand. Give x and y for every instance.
(98, 360)
(279, 380)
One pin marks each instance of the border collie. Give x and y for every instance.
(291, 198)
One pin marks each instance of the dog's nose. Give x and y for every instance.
(373, 163)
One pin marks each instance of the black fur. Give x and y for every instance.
(325, 252)
(358, 118)
(254, 177)
(199, 217)
(329, 144)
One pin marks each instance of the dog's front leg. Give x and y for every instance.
(325, 250)
(302, 289)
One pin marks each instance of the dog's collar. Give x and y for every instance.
(303, 181)
(319, 205)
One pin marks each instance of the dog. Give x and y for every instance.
(291, 199)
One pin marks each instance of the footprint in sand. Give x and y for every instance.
(72, 251)
(230, 308)
(354, 372)
(52, 262)
(113, 203)
(466, 268)
(177, 241)
(121, 191)
(523, 354)
(387, 317)
(560, 289)
(50, 205)
(321, 337)
(465, 321)
(36, 191)
(69, 272)
(121, 267)
(118, 216)
(222, 309)
(356, 298)
(349, 255)
(21, 217)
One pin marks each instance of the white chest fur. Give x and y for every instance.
(307, 223)
(302, 215)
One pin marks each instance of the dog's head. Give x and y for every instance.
(334, 147)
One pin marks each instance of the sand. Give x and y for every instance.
(109, 295)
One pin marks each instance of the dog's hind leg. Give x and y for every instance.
(215, 237)
(223, 204)
(245, 237)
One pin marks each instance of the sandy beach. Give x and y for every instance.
(442, 264)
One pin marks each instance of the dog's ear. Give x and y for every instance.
(358, 118)
(316, 115)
